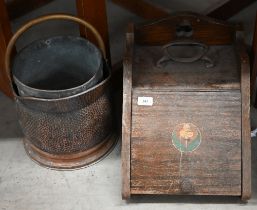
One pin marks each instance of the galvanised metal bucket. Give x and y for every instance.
(57, 67)
(74, 128)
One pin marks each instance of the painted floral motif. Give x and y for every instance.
(186, 137)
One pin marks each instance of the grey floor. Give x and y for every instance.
(26, 186)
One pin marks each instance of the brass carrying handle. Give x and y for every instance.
(41, 19)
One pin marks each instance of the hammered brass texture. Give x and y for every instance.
(63, 133)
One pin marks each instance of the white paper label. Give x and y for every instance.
(145, 101)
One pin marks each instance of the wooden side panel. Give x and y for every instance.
(143, 8)
(94, 11)
(204, 29)
(5, 34)
(210, 166)
(126, 113)
(246, 129)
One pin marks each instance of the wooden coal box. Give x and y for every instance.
(185, 126)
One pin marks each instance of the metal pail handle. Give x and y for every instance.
(41, 19)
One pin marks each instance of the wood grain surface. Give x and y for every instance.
(205, 29)
(94, 11)
(246, 127)
(183, 76)
(209, 106)
(5, 35)
(126, 112)
(214, 168)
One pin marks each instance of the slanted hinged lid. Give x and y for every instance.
(156, 68)
(185, 52)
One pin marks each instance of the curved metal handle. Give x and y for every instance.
(185, 51)
(184, 56)
(41, 19)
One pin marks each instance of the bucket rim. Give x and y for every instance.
(18, 82)
(105, 79)
(54, 91)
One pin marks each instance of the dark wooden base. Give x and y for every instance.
(71, 161)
